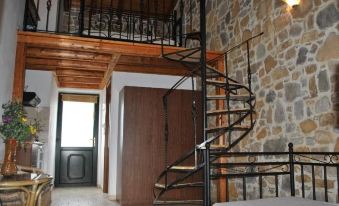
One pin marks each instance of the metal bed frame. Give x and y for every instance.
(291, 164)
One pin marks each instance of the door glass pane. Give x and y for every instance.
(77, 124)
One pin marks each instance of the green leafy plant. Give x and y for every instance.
(15, 124)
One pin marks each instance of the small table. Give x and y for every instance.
(30, 183)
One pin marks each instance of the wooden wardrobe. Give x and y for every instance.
(141, 141)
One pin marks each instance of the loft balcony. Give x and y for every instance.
(151, 22)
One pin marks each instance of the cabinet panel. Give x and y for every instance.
(142, 141)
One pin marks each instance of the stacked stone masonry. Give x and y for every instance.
(295, 73)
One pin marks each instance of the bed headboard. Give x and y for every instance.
(312, 175)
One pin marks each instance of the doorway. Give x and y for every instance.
(76, 142)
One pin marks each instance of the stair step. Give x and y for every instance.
(223, 83)
(232, 97)
(181, 185)
(187, 55)
(234, 128)
(225, 111)
(209, 81)
(178, 202)
(218, 146)
(215, 71)
(182, 168)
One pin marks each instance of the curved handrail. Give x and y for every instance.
(235, 47)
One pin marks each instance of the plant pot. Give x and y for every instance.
(9, 166)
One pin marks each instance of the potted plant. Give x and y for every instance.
(15, 129)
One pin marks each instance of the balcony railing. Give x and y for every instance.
(81, 19)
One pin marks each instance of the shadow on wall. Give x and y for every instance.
(336, 95)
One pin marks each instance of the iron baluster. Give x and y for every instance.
(90, 18)
(249, 76)
(181, 23)
(69, 16)
(313, 184)
(260, 186)
(49, 5)
(110, 19)
(302, 181)
(81, 17)
(325, 184)
(100, 17)
(228, 102)
(244, 193)
(291, 160)
(276, 185)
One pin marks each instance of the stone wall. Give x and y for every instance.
(295, 68)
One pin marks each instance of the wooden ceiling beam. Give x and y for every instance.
(149, 70)
(42, 67)
(79, 73)
(79, 85)
(72, 43)
(87, 66)
(83, 80)
(68, 55)
(111, 66)
(149, 61)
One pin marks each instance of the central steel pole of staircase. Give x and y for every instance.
(207, 186)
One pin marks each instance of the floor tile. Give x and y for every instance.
(80, 196)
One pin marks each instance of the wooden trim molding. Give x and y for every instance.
(19, 72)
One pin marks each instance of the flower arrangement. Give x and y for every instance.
(15, 124)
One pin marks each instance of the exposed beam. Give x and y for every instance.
(111, 66)
(83, 80)
(66, 54)
(19, 72)
(72, 43)
(149, 70)
(53, 63)
(79, 85)
(149, 61)
(79, 73)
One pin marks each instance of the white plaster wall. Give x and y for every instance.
(52, 15)
(120, 80)
(49, 158)
(41, 83)
(11, 18)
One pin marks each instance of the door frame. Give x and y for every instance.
(58, 142)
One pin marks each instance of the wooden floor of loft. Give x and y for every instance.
(88, 62)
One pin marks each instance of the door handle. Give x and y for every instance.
(94, 142)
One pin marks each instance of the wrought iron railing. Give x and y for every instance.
(313, 175)
(91, 20)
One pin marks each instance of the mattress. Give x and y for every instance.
(284, 201)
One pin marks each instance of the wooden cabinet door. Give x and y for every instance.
(142, 141)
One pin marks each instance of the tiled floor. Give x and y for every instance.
(80, 196)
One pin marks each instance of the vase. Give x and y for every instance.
(9, 165)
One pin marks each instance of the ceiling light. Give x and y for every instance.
(292, 3)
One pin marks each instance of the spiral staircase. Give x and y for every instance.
(228, 117)
(237, 120)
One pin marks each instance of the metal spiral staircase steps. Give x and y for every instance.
(235, 94)
(179, 202)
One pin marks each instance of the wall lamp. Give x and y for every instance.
(292, 3)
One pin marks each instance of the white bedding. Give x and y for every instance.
(284, 201)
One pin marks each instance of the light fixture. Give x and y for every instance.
(292, 3)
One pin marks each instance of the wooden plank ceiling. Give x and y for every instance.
(88, 63)
(147, 6)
